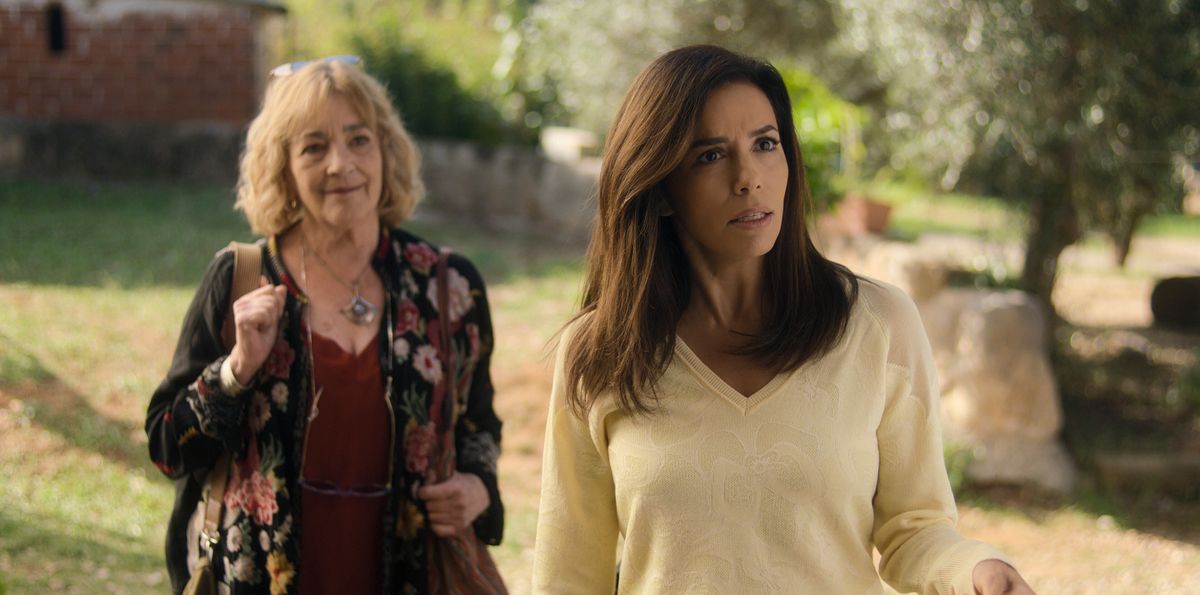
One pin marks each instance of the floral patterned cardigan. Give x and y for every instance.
(191, 421)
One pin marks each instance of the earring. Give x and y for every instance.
(292, 204)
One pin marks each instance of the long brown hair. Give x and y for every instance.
(637, 283)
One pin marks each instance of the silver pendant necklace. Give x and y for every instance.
(359, 310)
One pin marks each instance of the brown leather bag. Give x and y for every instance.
(459, 564)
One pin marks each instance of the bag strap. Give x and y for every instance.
(444, 410)
(247, 267)
(444, 311)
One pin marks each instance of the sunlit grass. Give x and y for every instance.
(80, 523)
(94, 281)
(73, 233)
(84, 342)
(917, 210)
(1171, 225)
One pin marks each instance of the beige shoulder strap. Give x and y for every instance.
(247, 267)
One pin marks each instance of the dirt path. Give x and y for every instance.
(1067, 551)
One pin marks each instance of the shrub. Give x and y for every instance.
(430, 98)
(827, 126)
(957, 457)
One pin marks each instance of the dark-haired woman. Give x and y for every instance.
(747, 415)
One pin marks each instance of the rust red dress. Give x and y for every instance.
(341, 534)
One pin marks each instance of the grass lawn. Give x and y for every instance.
(916, 211)
(94, 280)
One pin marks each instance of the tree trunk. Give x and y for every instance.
(1126, 226)
(1122, 238)
(1054, 225)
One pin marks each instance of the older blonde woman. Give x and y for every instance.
(325, 397)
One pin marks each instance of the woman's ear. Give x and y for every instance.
(289, 186)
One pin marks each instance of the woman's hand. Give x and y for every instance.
(455, 503)
(256, 322)
(993, 577)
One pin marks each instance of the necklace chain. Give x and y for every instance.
(312, 364)
(329, 269)
(359, 310)
(317, 391)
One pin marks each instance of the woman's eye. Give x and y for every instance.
(709, 156)
(361, 140)
(312, 149)
(766, 144)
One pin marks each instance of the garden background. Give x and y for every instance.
(1065, 134)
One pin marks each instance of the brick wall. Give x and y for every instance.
(152, 66)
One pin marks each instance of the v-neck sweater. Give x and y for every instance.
(786, 490)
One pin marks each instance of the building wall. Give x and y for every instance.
(131, 61)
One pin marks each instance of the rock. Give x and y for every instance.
(1171, 473)
(1175, 303)
(999, 395)
(903, 265)
(1043, 464)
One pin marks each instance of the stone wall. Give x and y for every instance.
(510, 188)
(504, 188)
(196, 153)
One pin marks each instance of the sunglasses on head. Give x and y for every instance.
(291, 67)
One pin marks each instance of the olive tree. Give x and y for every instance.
(1078, 110)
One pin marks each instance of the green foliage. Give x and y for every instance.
(441, 62)
(1189, 384)
(1077, 110)
(958, 457)
(593, 50)
(828, 130)
(430, 98)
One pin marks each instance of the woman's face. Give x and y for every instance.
(336, 167)
(726, 198)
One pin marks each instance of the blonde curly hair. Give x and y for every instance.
(264, 192)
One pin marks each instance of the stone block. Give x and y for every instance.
(998, 390)
(1175, 303)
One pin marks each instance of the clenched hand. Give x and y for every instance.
(455, 503)
(256, 322)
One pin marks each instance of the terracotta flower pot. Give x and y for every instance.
(860, 215)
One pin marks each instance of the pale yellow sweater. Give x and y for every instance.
(782, 492)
